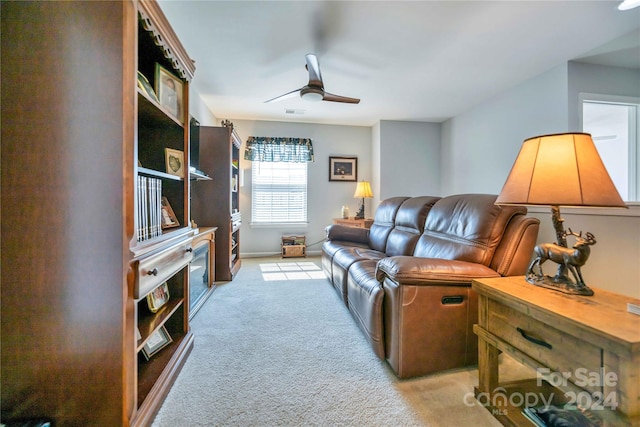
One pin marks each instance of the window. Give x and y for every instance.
(613, 125)
(278, 193)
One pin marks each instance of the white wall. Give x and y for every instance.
(200, 111)
(587, 78)
(409, 159)
(613, 263)
(479, 147)
(324, 198)
(375, 165)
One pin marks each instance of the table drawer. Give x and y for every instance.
(350, 223)
(576, 359)
(157, 268)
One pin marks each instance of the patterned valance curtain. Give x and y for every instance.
(278, 149)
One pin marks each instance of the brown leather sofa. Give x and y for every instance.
(407, 280)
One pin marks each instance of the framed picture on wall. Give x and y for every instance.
(343, 169)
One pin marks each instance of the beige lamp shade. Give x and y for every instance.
(559, 170)
(363, 190)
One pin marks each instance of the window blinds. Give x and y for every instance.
(278, 192)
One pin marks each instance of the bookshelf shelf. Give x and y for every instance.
(157, 174)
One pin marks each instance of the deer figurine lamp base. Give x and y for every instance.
(568, 260)
(562, 169)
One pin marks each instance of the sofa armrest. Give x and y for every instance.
(430, 271)
(348, 234)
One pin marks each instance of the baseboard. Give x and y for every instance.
(273, 254)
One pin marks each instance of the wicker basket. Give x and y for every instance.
(294, 246)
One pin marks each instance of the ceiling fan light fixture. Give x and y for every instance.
(629, 4)
(314, 91)
(312, 94)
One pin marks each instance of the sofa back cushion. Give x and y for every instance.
(465, 227)
(409, 225)
(383, 222)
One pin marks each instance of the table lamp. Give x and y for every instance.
(554, 170)
(363, 190)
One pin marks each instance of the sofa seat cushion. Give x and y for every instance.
(365, 296)
(411, 270)
(342, 261)
(339, 237)
(330, 247)
(348, 255)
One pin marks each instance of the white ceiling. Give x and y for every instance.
(416, 60)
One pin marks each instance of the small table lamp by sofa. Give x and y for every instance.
(362, 190)
(553, 170)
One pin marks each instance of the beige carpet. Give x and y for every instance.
(276, 347)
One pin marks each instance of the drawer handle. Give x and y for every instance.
(189, 249)
(534, 340)
(153, 272)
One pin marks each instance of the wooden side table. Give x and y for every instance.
(354, 222)
(586, 350)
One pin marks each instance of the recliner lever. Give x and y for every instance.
(452, 299)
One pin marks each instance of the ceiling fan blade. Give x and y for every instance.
(315, 79)
(337, 98)
(288, 95)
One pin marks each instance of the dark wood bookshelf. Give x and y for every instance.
(216, 202)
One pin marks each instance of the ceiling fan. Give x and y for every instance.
(314, 90)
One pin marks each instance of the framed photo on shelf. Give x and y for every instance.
(343, 169)
(156, 342)
(158, 297)
(169, 89)
(174, 162)
(169, 219)
(145, 86)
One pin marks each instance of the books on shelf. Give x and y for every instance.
(553, 416)
(148, 216)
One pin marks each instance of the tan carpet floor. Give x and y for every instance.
(276, 347)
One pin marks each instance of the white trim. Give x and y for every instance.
(258, 254)
(634, 125)
(277, 254)
(279, 224)
(613, 99)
